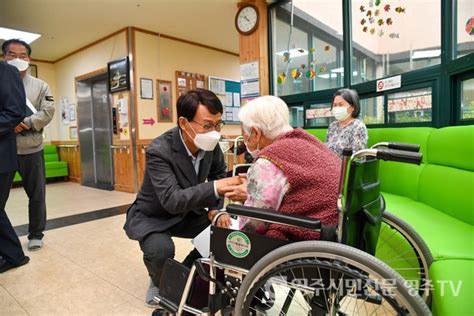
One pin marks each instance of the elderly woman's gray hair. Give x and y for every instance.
(269, 114)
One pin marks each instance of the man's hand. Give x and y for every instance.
(21, 127)
(223, 220)
(237, 192)
(226, 182)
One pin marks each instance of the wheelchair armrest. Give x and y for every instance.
(274, 216)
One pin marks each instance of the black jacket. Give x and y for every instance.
(171, 187)
(12, 112)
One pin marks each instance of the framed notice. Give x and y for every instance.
(72, 132)
(146, 88)
(164, 101)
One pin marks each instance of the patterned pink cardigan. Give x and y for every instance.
(296, 174)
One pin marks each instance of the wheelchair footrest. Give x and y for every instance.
(172, 283)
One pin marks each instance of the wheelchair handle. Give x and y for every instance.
(405, 147)
(399, 155)
(274, 216)
(398, 146)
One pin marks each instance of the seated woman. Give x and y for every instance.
(347, 131)
(293, 172)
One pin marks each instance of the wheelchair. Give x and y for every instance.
(251, 274)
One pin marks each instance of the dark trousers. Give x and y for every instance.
(10, 247)
(157, 247)
(32, 171)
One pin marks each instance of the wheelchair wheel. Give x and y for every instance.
(325, 278)
(403, 250)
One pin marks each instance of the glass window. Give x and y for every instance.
(465, 27)
(296, 116)
(319, 115)
(467, 99)
(308, 56)
(409, 106)
(391, 38)
(371, 110)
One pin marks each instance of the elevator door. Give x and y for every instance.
(95, 133)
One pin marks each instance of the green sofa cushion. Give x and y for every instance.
(452, 147)
(320, 133)
(51, 157)
(400, 178)
(55, 165)
(449, 190)
(412, 135)
(453, 288)
(446, 236)
(50, 149)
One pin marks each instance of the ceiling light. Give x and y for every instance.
(28, 37)
(338, 70)
(426, 53)
(296, 52)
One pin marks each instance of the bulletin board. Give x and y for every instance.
(186, 81)
(228, 91)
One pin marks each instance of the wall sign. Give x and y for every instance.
(389, 83)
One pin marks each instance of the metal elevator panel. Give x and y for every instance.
(95, 133)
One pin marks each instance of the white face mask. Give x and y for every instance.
(253, 153)
(20, 64)
(340, 113)
(206, 141)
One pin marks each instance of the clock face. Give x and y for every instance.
(247, 19)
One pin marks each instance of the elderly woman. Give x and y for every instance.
(293, 172)
(347, 131)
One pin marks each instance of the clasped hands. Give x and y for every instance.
(21, 127)
(234, 188)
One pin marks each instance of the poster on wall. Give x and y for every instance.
(119, 75)
(164, 101)
(68, 111)
(249, 80)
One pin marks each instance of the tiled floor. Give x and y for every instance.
(85, 269)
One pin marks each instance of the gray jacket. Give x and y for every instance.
(171, 187)
(39, 94)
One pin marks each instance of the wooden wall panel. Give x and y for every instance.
(69, 151)
(123, 168)
(141, 159)
(254, 47)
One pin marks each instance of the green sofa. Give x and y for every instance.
(437, 199)
(54, 167)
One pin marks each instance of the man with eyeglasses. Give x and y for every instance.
(183, 184)
(39, 112)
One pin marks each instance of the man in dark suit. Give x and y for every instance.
(184, 176)
(12, 112)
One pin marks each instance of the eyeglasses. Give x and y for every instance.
(208, 126)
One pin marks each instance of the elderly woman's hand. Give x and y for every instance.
(237, 192)
(222, 221)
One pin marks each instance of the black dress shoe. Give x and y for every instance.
(5, 265)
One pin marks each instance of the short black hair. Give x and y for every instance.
(15, 41)
(351, 97)
(188, 103)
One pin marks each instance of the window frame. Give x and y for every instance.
(443, 77)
